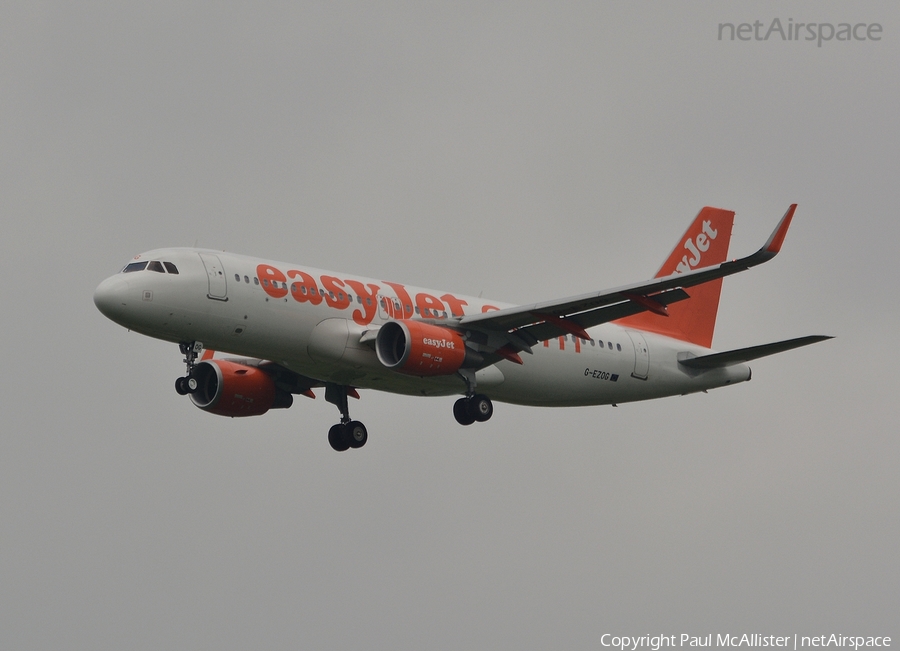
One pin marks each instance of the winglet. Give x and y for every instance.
(773, 246)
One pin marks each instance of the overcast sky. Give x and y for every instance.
(526, 151)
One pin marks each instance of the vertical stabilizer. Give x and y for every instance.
(705, 243)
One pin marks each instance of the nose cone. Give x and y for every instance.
(111, 298)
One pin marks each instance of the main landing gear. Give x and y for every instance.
(473, 408)
(188, 383)
(348, 433)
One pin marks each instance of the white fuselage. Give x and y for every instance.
(311, 321)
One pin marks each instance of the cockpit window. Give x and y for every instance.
(135, 266)
(156, 266)
(171, 268)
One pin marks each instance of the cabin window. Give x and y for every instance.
(246, 280)
(255, 280)
(619, 347)
(134, 266)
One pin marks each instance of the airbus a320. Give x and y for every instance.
(291, 330)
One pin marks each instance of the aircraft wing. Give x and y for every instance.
(526, 325)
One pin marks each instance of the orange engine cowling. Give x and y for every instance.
(231, 389)
(422, 349)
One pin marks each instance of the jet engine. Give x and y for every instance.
(423, 349)
(230, 389)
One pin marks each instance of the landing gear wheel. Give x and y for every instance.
(348, 433)
(191, 383)
(480, 407)
(337, 437)
(461, 412)
(356, 434)
(180, 387)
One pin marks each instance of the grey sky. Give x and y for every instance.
(527, 151)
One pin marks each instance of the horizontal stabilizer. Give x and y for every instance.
(741, 355)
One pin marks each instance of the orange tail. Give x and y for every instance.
(705, 243)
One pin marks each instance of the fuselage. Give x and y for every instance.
(315, 323)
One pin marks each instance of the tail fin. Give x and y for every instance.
(704, 243)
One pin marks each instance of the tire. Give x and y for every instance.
(180, 387)
(481, 408)
(461, 412)
(356, 434)
(337, 438)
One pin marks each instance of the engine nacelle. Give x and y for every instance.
(231, 389)
(422, 349)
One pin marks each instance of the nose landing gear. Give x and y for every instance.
(188, 383)
(181, 386)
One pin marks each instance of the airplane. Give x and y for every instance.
(296, 328)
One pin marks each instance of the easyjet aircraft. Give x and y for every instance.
(297, 329)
